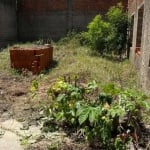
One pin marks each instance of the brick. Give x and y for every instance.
(33, 59)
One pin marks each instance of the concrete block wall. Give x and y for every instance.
(85, 10)
(54, 18)
(40, 19)
(141, 34)
(133, 4)
(8, 22)
(133, 8)
(145, 52)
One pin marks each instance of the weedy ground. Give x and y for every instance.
(70, 59)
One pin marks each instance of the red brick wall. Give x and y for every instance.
(96, 5)
(46, 5)
(42, 5)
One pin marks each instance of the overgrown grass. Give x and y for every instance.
(4, 60)
(72, 59)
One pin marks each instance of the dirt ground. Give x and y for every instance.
(15, 101)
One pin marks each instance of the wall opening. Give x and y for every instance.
(140, 26)
(131, 30)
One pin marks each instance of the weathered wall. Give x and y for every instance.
(133, 4)
(141, 29)
(54, 18)
(133, 7)
(85, 10)
(8, 24)
(145, 55)
(42, 19)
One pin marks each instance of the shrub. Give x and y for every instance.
(97, 33)
(117, 38)
(111, 117)
(110, 35)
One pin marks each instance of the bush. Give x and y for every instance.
(110, 35)
(97, 33)
(111, 117)
(117, 38)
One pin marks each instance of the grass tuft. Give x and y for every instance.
(72, 59)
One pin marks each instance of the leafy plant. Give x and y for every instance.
(109, 35)
(117, 38)
(119, 145)
(97, 33)
(104, 116)
(34, 88)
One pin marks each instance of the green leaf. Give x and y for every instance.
(146, 105)
(60, 116)
(92, 115)
(111, 89)
(34, 86)
(61, 97)
(92, 85)
(83, 113)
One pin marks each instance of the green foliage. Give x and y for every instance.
(100, 116)
(117, 37)
(97, 33)
(119, 145)
(34, 88)
(72, 38)
(110, 35)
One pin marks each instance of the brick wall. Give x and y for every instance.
(54, 18)
(8, 24)
(95, 5)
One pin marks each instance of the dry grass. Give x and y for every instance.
(72, 59)
(4, 61)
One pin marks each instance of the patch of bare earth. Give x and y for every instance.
(14, 98)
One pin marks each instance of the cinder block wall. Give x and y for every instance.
(133, 4)
(145, 55)
(141, 62)
(38, 19)
(83, 11)
(133, 7)
(42, 19)
(54, 18)
(8, 24)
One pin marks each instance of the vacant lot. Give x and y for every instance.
(70, 60)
